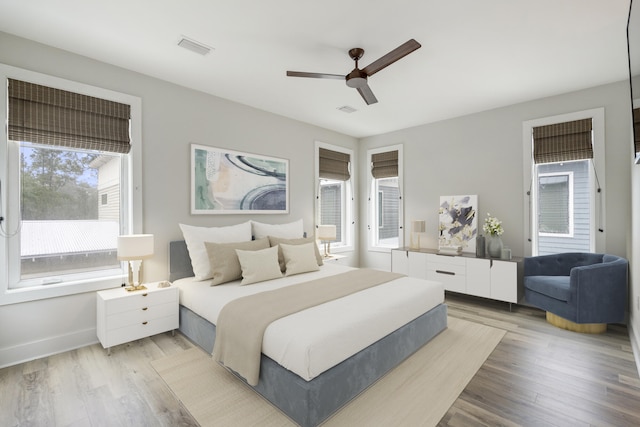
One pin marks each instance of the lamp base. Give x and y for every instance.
(135, 288)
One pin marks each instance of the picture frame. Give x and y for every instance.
(458, 222)
(225, 181)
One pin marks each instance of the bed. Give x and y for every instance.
(311, 391)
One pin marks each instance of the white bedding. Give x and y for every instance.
(314, 340)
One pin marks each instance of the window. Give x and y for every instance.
(334, 199)
(68, 175)
(555, 204)
(565, 194)
(385, 201)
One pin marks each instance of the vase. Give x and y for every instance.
(480, 246)
(494, 246)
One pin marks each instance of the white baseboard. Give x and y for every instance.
(52, 345)
(634, 337)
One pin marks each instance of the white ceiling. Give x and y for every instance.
(475, 55)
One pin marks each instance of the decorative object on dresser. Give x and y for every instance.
(493, 227)
(327, 234)
(480, 246)
(127, 316)
(458, 225)
(417, 228)
(134, 248)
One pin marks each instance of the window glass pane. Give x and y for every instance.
(554, 204)
(332, 202)
(70, 210)
(388, 211)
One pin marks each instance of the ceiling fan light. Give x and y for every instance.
(357, 82)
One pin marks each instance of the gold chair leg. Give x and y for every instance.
(584, 328)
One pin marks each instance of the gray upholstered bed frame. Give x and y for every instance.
(309, 403)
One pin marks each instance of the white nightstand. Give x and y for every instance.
(127, 316)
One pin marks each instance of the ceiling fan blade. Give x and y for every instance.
(367, 94)
(315, 75)
(391, 57)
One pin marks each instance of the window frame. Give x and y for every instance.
(598, 217)
(131, 180)
(372, 205)
(347, 244)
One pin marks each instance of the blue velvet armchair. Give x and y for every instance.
(579, 287)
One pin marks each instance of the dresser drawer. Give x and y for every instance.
(445, 259)
(139, 300)
(140, 330)
(451, 281)
(140, 315)
(450, 269)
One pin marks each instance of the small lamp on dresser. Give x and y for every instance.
(417, 228)
(326, 234)
(135, 248)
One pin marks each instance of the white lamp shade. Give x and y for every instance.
(418, 226)
(135, 246)
(326, 232)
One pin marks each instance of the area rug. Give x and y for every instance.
(417, 392)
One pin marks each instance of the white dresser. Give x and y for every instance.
(466, 274)
(127, 316)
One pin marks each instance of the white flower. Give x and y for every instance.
(492, 225)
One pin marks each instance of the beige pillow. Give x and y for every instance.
(224, 262)
(299, 258)
(258, 266)
(196, 236)
(275, 241)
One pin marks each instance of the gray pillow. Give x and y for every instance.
(301, 241)
(223, 258)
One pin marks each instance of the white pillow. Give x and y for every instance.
(299, 258)
(258, 266)
(196, 236)
(292, 230)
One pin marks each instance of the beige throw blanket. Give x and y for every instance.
(242, 322)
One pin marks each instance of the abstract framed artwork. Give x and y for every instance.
(230, 182)
(458, 222)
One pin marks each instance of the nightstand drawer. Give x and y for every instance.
(139, 315)
(138, 300)
(140, 330)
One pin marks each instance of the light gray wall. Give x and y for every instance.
(173, 117)
(482, 154)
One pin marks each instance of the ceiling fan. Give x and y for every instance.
(358, 78)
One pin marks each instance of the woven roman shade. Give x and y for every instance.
(384, 165)
(636, 129)
(45, 115)
(562, 142)
(334, 165)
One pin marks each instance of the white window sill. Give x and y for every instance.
(33, 293)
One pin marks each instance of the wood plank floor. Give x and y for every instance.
(538, 375)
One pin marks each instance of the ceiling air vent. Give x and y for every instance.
(194, 46)
(347, 109)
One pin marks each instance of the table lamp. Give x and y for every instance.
(327, 234)
(417, 227)
(134, 248)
